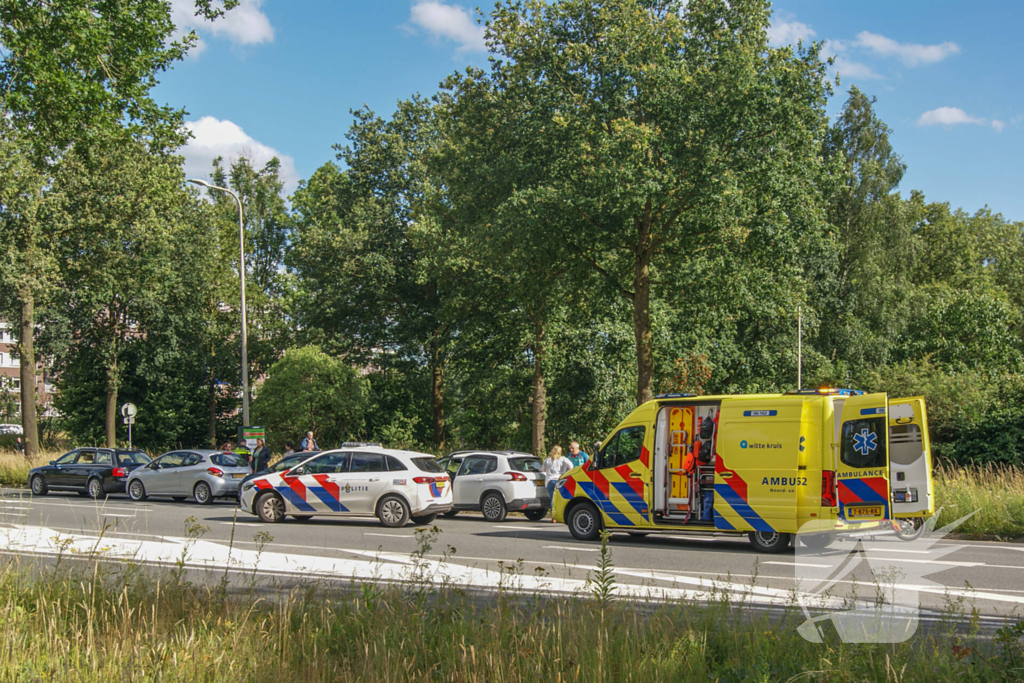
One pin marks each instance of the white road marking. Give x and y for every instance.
(367, 533)
(798, 564)
(572, 547)
(109, 514)
(521, 527)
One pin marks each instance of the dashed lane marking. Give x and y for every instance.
(572, 547)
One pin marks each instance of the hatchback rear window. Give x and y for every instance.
(228, 460)
(427, 465)
(524, 464)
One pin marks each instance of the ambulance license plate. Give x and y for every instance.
(861, 512)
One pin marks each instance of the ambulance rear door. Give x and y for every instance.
(863, 464)
(910, 466)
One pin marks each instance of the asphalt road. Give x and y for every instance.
(985, 576)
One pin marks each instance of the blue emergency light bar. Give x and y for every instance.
(826, 391)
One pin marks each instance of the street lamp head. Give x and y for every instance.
(202, 183)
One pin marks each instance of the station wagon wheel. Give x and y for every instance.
(136, 490)
(95, 489)
(493, 507)
(584, 522)
(270, 508)
(202, 493)
(769, 541)
(39, 485)
(393, 512)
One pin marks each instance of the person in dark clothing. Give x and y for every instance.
(260, 457)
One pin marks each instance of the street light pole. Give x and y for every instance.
(241, 273)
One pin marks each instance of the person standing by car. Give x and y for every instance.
(19, 445)
(260, 457)
(576, 456)
(289, 449)
(309, 443)
(553, 467)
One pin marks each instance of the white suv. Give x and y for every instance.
(497, 483)
(394, 486)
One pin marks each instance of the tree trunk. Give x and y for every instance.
(211, 401)
(27, 359)
(111, 413)
(437, 398)
(540, 390)
(642, 312)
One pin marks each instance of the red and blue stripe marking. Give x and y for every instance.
(864, 491)
(734, 492)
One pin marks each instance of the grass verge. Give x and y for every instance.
(995, 491)
(65, 623)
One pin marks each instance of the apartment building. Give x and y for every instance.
(10, 370)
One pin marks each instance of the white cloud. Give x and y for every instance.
(212, 138)
(450, 22)
(844, 66)
(952, 116)
(789, 33)
(246, 24)
(909, 53)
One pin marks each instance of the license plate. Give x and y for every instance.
(859, 512)
(238, 476)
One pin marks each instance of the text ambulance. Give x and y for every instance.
(769, 466)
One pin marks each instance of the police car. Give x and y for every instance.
(360, 480)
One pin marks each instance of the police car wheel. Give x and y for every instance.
(393, 512)
(270, 508)
(584, 522)
(769, 541)
(493, 508)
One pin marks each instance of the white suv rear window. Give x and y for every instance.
(427, 465)
(524, 464)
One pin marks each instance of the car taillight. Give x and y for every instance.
(516, 476)
(424, 480)
(215, 471)
(828, 488)
(120, 472)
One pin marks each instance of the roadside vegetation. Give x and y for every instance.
(77, 623)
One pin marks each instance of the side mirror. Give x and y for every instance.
(53, 462)
(296, 471)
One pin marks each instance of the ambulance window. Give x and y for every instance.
(863, 443)
(905, 444)
(624, 447)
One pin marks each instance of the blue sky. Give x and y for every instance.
(279, 78)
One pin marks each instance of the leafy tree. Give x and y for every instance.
(670, 134)
(310, 390)
(72, 71)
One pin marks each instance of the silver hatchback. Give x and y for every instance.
(202, 474)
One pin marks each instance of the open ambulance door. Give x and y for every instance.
(862, 469)
(910, 461)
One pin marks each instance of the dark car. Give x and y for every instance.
(281, 465)
(93, 472)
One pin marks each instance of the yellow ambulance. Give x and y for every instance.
(768, 466)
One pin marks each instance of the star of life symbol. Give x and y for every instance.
(896, 570)
(864, 442)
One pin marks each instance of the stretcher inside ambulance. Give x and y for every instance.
(771, 466)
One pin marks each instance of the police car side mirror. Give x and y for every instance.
(297, 471)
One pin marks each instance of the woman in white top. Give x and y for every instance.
(553, 467)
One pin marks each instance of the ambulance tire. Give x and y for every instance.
(909, 529)
(585, 522)
(817, 541)
(769, 541)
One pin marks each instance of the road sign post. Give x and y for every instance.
(128, 412)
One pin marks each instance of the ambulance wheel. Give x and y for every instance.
(584, 522)
(769, 541)
(909, 529)
(817, 541)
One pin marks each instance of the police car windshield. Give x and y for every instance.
(427, 465)
(524, 464)
(291, 461)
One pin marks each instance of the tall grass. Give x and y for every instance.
(97, 624)
(995, 491)
(14, 466)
